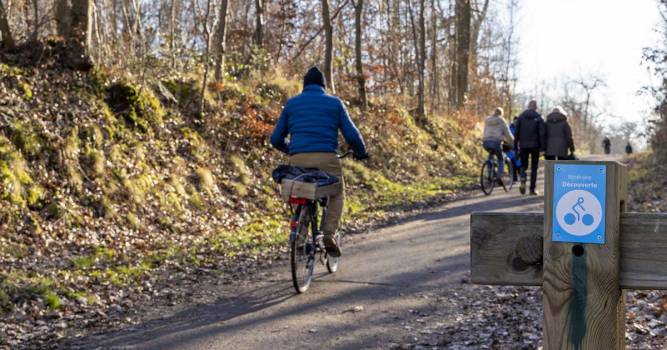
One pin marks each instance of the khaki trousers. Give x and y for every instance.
(329, 163)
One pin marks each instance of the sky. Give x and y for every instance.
(569, 38)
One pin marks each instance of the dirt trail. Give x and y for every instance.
(386, 276)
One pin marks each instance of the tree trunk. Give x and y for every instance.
(361, 79)
(328, 53)
(474, 37)
(462, 53)
(435, 81)
(421, 110)
(172, 32)
(36, 21)
(114, 21)
(5, 32)
(81, 34)
(220, 41)
(207, 36)
(63, 23)
(259, 23)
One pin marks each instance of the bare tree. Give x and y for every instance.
(435, 79)
(172, 31)
(421, 56)
(259, 23)
(328, 50)
(36, 19)
(510, 62)
(589, 85)
(81, 34)
(207, 37)
(5, 31)
(361, 79)
(62, 17)
(461, 54)
(220, 41)
(478, 20)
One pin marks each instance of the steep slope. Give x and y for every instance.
(109, 182)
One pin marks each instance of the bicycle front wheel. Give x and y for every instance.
(302, 251)
(486, 178)
(508, 175)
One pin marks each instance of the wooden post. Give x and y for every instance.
(583, 297)
(583, 303)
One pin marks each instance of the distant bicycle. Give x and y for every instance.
(488, 177)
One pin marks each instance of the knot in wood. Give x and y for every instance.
(529, 249)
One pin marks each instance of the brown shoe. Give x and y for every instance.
(534, 193)
(331, 246)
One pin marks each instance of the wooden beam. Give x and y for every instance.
(644, 251)
(498, 246)
(495, 241)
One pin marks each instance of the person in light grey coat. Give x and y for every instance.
(496, 132)
(558, 136)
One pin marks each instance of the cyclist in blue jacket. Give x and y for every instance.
(312, 120)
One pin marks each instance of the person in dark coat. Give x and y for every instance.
(628, 148)
(558, 136)
(606, 144)
(529, 141)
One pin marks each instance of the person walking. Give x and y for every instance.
(558, 136)
(606, 144)
(496, 132)
(628, 148)
(529, 141)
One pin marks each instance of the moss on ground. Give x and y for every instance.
(138, 105)
(18, 186)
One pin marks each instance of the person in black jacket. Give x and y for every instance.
(529, 141)
(628, 148)
(558, 136)
(606, 144)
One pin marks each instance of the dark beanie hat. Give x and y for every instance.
(314, 76)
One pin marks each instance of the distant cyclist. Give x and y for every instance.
(312, 120)
(496, 132)
(606, 144)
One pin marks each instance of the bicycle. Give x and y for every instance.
(488, 177)
(306, 240)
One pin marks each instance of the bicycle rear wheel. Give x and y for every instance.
(302, 251)
(486, 178)
(332, 263)
(508, 175)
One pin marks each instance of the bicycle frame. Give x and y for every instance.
(301, 204)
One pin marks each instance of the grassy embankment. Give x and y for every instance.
(104, 179)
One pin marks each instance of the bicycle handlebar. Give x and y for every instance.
(348, 153)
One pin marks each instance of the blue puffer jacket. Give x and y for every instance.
(312, 120)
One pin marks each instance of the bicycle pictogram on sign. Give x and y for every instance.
(578, 202)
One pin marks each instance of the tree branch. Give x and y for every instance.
(319, 31)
